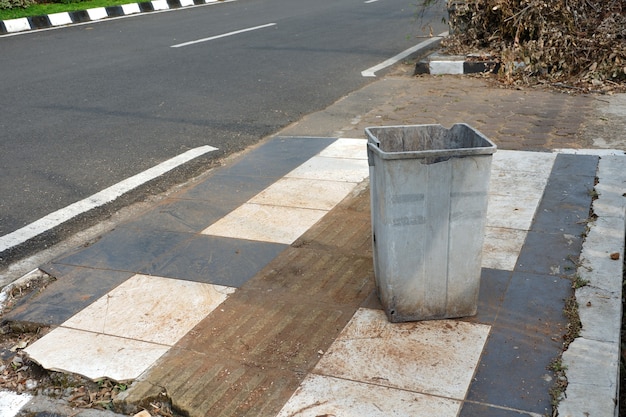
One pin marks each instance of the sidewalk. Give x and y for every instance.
(250, 292)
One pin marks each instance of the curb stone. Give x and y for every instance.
(23, 24)
(592, 360)
(436, 64)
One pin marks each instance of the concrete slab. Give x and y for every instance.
(11, 402)
(132, 312)
(600, 314)
(429, 357)
(326, 396)
(94, 355)
(591, 389)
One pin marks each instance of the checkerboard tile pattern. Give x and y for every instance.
(289, 207)
(123, 333)
(120, 335)
(376, 368)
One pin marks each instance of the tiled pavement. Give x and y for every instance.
(252, 293)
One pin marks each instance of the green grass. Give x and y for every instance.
(49, 8)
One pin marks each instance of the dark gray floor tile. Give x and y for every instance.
(567, 196)
(485, 410)
(72, 291)
(277, 157)
(227, 192)
(513, 373)
(215, 260)
(549, 253)
(124, 249)
(186, 216)
(526, 337)
(533, 308)
(564, 206)
(493, 286)
(569, 165)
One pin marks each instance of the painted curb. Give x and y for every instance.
(436, 64)
(23, 24)
(592, 360)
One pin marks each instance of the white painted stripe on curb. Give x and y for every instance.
(446, 67)
(105, 196)
(60, 19)
(17, 25)
(160, 5)
(236, 32)
(371, 72)
(130, 8)
(97, 13)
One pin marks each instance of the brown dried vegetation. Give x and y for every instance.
(579, 44)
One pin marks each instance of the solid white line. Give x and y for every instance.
(105, 196)
(222, 35)
(371, 72)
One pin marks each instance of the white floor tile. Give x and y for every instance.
(517, 184)
(429, 357)
(501, 247)
(150, 309)
(94, 356)
(11, 403)
(346, 148)
(265, 223)
(326, 396)
(332, 169)
(512, 213)
(539, 163)
(304, 193)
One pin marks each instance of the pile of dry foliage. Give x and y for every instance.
(575, 43)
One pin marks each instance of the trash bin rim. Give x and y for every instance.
(373, 144)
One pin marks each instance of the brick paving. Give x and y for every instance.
(528, 119)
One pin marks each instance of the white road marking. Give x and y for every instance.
(223, 35)
(371, 1)
(105, 196)
(371, 72)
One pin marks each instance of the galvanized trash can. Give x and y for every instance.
(429, 190)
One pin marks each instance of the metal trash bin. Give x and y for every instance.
(428, 190)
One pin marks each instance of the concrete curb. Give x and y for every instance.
(91, 15)
(592, 361)
(436, 64)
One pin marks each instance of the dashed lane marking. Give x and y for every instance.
(223, 35)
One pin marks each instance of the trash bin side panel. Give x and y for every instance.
(398, 217)
(467, 228)
(437, 236)
(410, 220)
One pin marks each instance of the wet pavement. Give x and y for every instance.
(251, 292)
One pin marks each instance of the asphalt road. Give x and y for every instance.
(85, 107)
